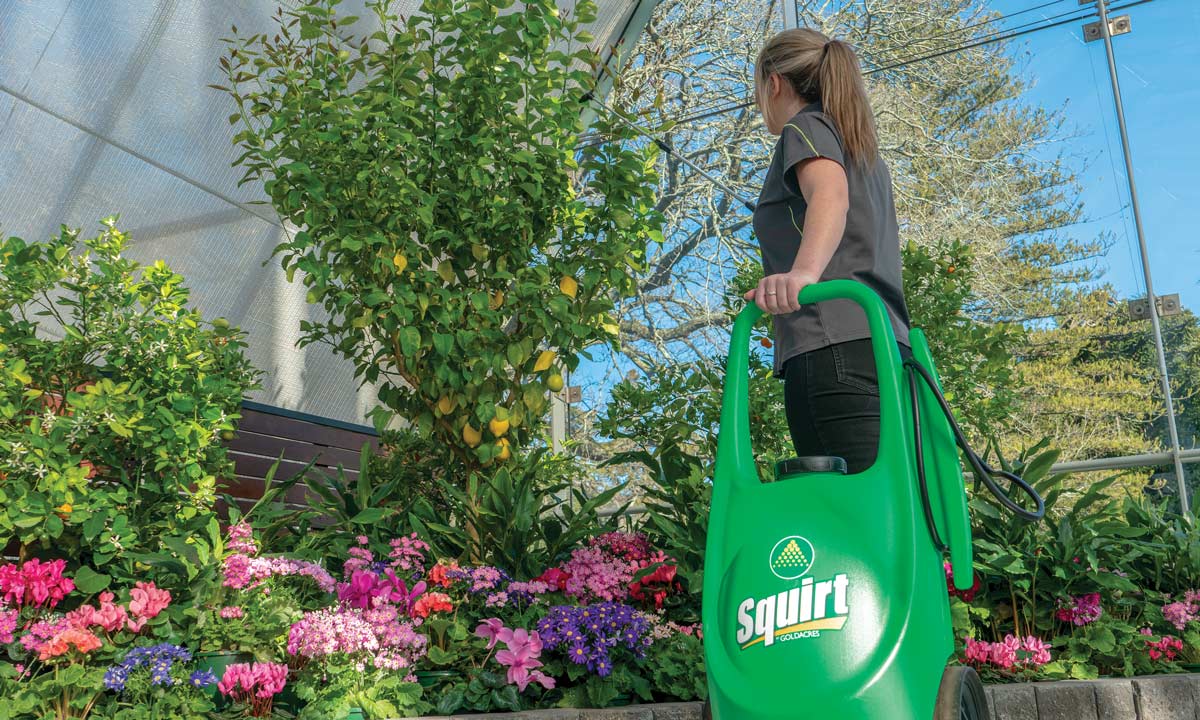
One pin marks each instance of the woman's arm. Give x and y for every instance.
(823, 184)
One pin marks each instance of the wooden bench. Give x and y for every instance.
(266, 433)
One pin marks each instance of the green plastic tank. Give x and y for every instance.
(825, 593)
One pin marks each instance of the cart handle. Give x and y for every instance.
(734, 445)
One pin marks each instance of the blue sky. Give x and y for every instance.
(1158, 67)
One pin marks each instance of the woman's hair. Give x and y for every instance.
(826, 70)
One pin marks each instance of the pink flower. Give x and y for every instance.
(521, 658)
(490, 630)
(1011, 653)
(408, 554)
(1004, 654)
(1164, 649)
(1183, 612)
(542, 679)
(110, 616)
(254, 684)
(965, 595)
(35, 583)
(8, 625)
(241, 539)
(1034, 651)
(147, 601)
(232, 612)
(978, 652)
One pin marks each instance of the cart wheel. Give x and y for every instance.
(960, 696)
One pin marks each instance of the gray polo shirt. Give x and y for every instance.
(869, 251)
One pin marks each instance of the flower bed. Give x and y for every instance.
(399, 634)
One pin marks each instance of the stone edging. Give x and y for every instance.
(664, 711)
(1159, 697)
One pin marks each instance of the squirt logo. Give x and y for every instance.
(802, 609)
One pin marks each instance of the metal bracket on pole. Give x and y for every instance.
(1168, 305)
(1119, 25)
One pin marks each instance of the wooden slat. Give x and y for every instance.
(270, 446)
(258, 466)
(243, 487)
(301, 430)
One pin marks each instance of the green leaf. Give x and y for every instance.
(90, 582)
(369, 516)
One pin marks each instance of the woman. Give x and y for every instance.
(825, 212)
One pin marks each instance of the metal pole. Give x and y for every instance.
(790, 19)
(1173, 431)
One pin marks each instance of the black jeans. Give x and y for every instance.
(831, 396)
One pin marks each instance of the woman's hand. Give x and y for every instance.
(776, 294)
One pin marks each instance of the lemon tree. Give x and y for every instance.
(462, 246)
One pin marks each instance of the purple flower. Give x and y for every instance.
(203, 678)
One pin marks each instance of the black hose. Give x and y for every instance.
(920, 450)
(983, 472)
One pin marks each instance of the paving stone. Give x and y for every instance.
(1165, 698)
(678, 711)
(1065, 701)
(991, 701)
(1114, 699)
(1014, 702)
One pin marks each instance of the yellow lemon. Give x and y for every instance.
(505, 451)
(498, 427)
(544, 361)
(555, 383)
(65, 508)
(497, 300)
(471, 436)
(445, 405)
(569, 286)
(399, 261)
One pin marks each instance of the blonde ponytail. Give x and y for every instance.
(827, 70)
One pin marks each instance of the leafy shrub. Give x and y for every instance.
(457, 240)
(114, 396)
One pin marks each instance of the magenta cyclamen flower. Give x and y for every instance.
(34, 583)
(1010, 653)
(254, 684)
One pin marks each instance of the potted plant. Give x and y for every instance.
(356, 659)
(158, 681)
(61, 660)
